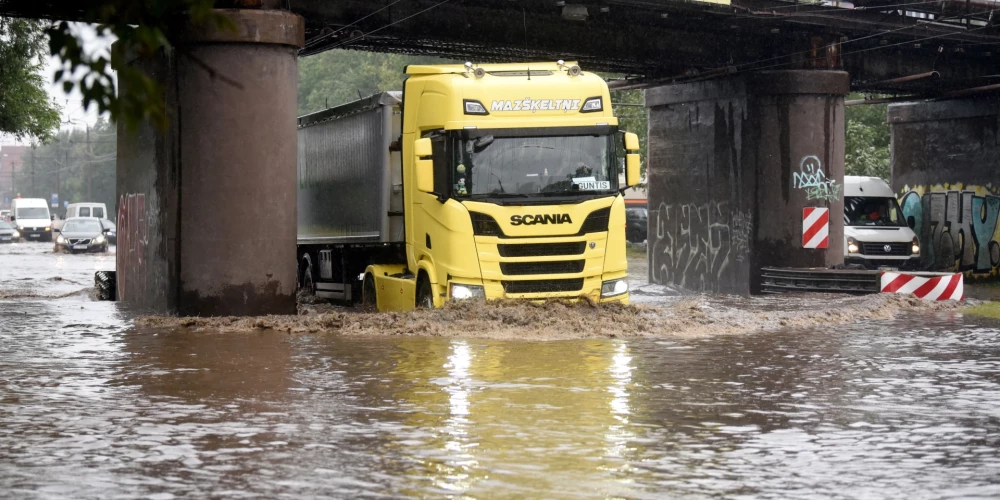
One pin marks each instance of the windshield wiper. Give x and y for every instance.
(499, 195)
(574, 193)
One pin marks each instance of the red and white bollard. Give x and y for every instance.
(930, 286)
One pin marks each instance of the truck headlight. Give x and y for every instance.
(459, 291)
(916, 247)
(60, 239)
(852, 246)
(20, 227)
(613, 288)
(99, 239)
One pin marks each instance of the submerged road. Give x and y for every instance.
(92, 408)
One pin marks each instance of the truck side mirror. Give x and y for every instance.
(423, 168)
(631, 142)
(632, 169)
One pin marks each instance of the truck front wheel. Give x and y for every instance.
(425, 299)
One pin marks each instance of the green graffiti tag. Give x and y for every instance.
(826, 192)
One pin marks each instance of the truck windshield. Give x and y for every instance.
(534, 166)
(867, 211)
(33, 213)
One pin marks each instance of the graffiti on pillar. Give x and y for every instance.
(133, 237)
(957, 226)
(813, 180)
(694, 245)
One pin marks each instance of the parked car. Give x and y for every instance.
(82, 234)
(7, 233)
(5, 215)
(636, 224)
(110, 231)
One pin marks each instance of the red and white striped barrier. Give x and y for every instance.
(930, 286)
(815, 227)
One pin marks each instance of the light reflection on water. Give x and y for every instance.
(905, 409)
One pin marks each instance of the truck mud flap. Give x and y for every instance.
(106, 283)
(784, 280)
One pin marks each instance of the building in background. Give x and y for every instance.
(635, 197)
(11, 166)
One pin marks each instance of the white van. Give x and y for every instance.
(875, 232)
(31, 218)
(96, 210)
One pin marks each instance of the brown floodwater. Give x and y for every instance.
(870, 407)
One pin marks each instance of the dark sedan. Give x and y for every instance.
(636, 224)
(82, 234)
(7, 233)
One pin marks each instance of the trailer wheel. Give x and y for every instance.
(306, 282)
(425, 298)
(369, 299)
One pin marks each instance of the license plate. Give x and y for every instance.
(79, 247)
(5, 238)
(887, 268)
(34, 236)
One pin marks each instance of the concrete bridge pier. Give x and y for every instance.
(732, 166)
(946, 172)
(207, 212)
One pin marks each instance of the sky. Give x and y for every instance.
(73, 113)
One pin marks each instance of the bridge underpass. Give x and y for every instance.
(746, 108)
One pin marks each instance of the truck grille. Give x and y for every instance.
(562, 267)
(878, 249)
(542, 249)
(543, 286)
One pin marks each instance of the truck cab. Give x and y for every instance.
(513, 176)
(876, 234)
(31, 218)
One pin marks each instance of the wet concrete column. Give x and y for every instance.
(732, 164)
(944, 170)
(798, 123)
(701, 179)
(237, 100)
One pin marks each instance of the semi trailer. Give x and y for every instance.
(476, 181)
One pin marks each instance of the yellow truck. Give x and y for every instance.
(477, 181)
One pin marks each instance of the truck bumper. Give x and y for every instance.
(589, 291)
